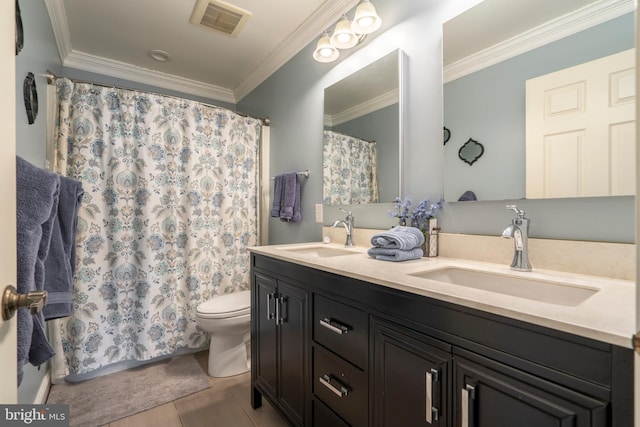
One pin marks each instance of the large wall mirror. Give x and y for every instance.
(362, 135)
(490, 51)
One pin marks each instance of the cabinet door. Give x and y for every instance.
(411, 377)
(291, 317)
(265, 335)
(489, 394)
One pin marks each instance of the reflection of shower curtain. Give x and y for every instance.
(349, 170)
(170, 207)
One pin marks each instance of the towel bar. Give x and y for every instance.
(306, 174)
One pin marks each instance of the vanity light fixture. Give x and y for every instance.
(348, 34)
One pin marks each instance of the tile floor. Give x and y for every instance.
(226, 404)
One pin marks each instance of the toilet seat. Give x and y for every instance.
(227, 305)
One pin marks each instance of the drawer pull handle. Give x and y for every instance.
(326, 381)
(468, 393)
(270, 314)
(280, 301)
(334, 326)
(431, 412)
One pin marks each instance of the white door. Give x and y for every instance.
(636, 382)
(580, 130)
(8, 385)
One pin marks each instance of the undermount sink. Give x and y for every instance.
(321, 251)
(533, 289)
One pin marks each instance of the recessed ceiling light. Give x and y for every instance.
(159, 55)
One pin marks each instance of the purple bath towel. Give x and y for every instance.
(290, 197)
(60, 263)
(36, 207)
(395, 255)
(297, 216)
(399, 237)
(277, 196)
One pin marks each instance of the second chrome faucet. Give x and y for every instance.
(348, 226)
(519, 231)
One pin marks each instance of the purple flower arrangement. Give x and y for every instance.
(423, 212)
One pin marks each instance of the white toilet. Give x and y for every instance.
(227, 320)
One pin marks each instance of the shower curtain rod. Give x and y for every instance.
(370, 141)
(51, 77)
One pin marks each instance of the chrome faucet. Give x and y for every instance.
(348, 226)
(519, 230)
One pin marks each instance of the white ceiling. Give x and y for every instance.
(114, 37)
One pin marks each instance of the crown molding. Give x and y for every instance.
(556, 29)
(319, 21)
(374, 104)
(121, 70)
(60, 26)
(316, 24)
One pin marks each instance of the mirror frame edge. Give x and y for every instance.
(402, 97)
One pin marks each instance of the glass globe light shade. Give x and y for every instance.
(366, 19)
(325, 51)
(343, 37)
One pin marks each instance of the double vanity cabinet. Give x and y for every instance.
(333, 350)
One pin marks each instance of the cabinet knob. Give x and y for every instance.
(12, 301)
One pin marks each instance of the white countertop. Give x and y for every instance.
(606, 316)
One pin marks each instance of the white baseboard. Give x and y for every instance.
(43, 390)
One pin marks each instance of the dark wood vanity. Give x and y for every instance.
(329, 350)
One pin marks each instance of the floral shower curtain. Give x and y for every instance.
(349, 170)
(169, 209)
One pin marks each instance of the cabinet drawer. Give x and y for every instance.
(341, 328)
(341, 386)
(323, 416)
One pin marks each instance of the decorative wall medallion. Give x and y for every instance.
(447, 135)
(471, 151)
(30, 93)
(19, 30)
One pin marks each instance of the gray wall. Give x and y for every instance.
(293, 99)
(38, 55)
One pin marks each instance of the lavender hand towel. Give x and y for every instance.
(395, 255)
(277, 196)
(36, 207)
(399, 237)
(60, 263)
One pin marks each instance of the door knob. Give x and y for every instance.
(12, 301)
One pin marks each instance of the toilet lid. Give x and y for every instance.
(227, 305)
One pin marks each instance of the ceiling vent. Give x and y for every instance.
(220, 16)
